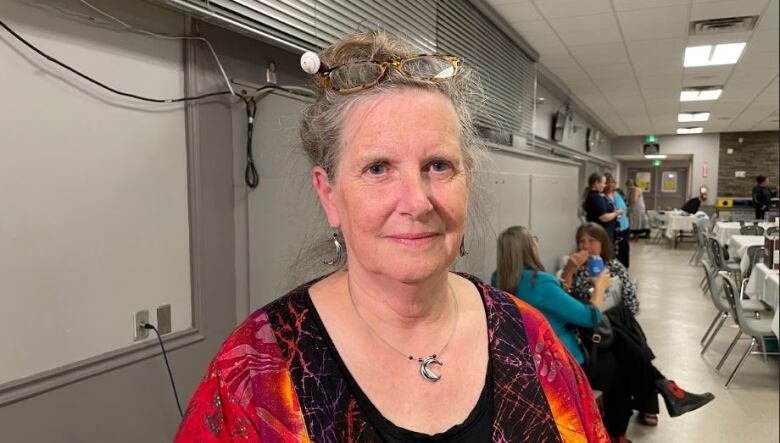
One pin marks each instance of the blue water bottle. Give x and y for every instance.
(595, 265)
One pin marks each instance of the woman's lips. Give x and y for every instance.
(418, 239)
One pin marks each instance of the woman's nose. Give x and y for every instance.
(414, 195)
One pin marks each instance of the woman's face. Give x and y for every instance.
(401, 191)
(609, 187)
(600, 185)
(590, 244)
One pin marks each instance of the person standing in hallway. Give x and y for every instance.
(637, 216)
(622, 233)
(762, 196)
(598, 208)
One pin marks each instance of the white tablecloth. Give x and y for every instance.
(738, 244)
(724, 230)
(764, 285)
(678, 222)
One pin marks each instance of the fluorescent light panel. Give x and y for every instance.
(655, 156)
(709, 55)
(698, 94)
(685, 117)
(690, 130)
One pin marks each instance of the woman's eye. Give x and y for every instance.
(377, 169)
(440, 167)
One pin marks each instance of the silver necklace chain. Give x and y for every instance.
(410, 357)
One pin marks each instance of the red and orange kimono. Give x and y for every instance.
(275, 380)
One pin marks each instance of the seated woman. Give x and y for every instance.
(521, 272)
(630, 342)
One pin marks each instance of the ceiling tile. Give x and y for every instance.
(572, 8)
(610, 71)
(629, 5)
(763, 40)
(745, 75)
(597, 22)
(634, 85)
(590, 37)
(760, 60)
(518, 11)
(660, 82)
(706, 76)
(599, 54)
(771, 17)
(654, 23)
(732, 8)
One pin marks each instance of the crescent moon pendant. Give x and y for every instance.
(426, 372)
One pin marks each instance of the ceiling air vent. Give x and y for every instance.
(726, 24)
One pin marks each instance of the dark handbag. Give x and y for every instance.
(601, 335)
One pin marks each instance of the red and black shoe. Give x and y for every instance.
(679, 401)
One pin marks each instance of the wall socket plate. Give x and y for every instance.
(164, 319)
(139, 332)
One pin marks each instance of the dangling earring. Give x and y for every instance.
(463, 252)
(336, 261)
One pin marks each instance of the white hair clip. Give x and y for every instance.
(310, 62)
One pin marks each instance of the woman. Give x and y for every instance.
(373, 351)
(643, 381)
(637, 216)
(596, 206)
(621, 233)
(520, 272)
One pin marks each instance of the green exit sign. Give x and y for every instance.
(656, 162)
(650, 138)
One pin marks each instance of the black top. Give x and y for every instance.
(762, 197)
(692, 206)
(477, 427)
(596, 204)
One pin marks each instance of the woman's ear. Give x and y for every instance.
(326, 192)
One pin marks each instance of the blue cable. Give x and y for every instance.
(170, 373)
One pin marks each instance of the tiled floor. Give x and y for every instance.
(674, 315)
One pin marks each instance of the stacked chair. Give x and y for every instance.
(722, 305)
(751, 230)
(758, 329)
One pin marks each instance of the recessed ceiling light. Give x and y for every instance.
(700, 94)
(684, 117)
(709, 55)
(690, 130)
(655, 156)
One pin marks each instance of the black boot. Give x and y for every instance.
(678, 401)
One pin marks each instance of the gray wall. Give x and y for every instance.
(134, 402)
(576, 140)
(94, 221)
(703, 148)
(758, 153)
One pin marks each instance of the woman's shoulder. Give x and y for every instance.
(614, 265)
(545, 277)
(266, 332)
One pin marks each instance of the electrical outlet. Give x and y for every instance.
(139, 332)
(164, 319)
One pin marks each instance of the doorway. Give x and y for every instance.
(665, 186)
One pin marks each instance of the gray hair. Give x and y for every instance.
(323, 120)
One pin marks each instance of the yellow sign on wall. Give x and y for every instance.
(643, 180)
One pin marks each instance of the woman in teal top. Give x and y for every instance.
(521, 272)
